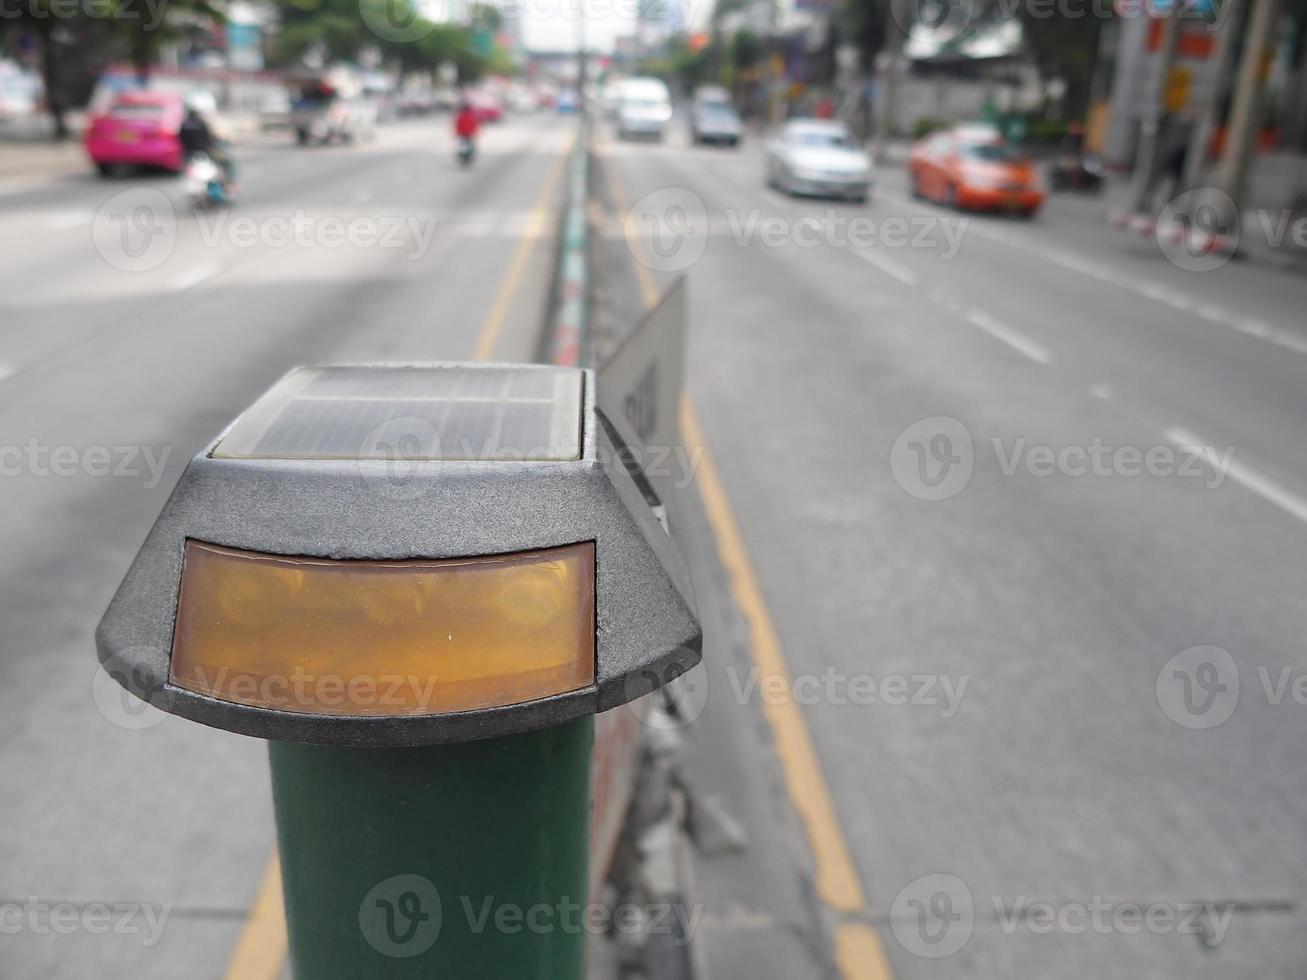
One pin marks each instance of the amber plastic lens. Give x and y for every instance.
(384, 637)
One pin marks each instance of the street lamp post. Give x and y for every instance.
(419, 583)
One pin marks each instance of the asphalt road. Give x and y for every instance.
(134, 330)
(977, 627)
(989, 478)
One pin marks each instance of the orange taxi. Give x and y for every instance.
(973, 168)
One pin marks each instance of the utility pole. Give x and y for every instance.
(1246, 110)
(889, 88)
(581, 103)
(1153, 126)
(1209, 111)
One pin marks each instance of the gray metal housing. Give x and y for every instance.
(647, 626)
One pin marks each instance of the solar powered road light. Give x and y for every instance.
(419, 583)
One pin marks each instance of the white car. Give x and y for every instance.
(818, 157)
(21, 95)
(645, 110)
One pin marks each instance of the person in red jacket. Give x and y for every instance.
(466, 122)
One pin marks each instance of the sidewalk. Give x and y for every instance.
(1265, 236)
(26, 156)
(23, 160)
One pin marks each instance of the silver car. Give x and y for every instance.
(818, 157)
(715, 122)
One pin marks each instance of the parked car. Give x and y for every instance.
(321, 115)
(610, 97)
(715, 122)
(487, 105)
(645, 110)
(137, 129)
(1077, 172)
(274, 112)
(21, 93)
(818, 157)
(972, 167)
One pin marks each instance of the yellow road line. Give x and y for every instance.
(858, 951)
(261, 950)
(494, 322)
(837, 881)
(648, 288)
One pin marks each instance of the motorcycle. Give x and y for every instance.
(206, 184)
(466, 150)
(1077, 172)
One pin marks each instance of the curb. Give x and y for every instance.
(1196, 241)
(567, 328)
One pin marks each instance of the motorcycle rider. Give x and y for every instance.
(198, 135)
(466, 123)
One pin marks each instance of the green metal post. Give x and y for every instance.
(461, 861)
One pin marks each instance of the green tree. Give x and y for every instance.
(1065, 48)
(864, 23)
(144, 28)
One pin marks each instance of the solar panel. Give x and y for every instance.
(431, 412)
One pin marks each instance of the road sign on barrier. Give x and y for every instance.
(640, 391)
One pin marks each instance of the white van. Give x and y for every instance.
(645, 110)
